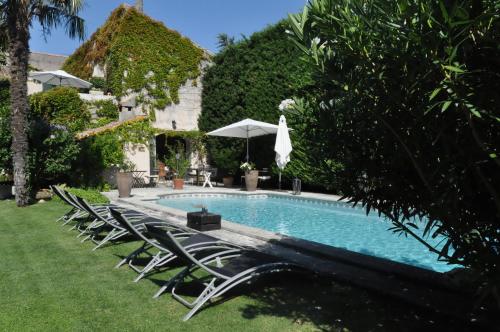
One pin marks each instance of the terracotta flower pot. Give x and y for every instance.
(228, 181)
(178, 183)
(124, 182)
(251, 179)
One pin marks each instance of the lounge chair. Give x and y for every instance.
(242, 266)
(104, 221)
(191, 242)
(75, 212)
(148, 244)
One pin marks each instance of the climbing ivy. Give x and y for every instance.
(140, 56)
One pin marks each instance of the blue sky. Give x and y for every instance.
(200, 20)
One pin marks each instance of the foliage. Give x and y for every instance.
(52, 148)
(179, 162)
(62, 106)
(410, 93)
(223, 41)
(106, 109)
(246, 166)
(98, 83)
(249, 79)
(99, 122)
(102, 152)
(140, 55)
(92, 196)
(225, 158)
(52, 151)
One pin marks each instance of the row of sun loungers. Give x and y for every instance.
(228, 265)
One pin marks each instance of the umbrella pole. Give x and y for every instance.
(279, 182)
(248, 158)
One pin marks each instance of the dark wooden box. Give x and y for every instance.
(203, 221)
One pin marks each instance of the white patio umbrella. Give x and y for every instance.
(60, 78)
(283, 146)
(246, 129)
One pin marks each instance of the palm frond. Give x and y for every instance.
(55, 13)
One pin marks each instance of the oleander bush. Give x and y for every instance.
(410, 109)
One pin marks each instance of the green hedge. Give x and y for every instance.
(249, 79)
(92, 196)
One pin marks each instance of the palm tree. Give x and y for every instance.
(223, 41)
(16, 17)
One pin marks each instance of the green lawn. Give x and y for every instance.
(51, 281)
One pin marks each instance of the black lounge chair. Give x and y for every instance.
(241, 266)
(194, 243)
(74, 213)
(106, 222)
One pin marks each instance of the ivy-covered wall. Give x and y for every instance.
(138, 55)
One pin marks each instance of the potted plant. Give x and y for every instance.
(179, 163)
(124, 178)
(251, 176)
(5, 185)
(231, 167)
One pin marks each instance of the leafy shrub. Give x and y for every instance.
(52, 148)
(92, 196)
(97, 154)
(98, 83)
(410, 96)
(106, 109)
(62, 106)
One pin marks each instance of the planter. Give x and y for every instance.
(5, 191)
(124, 182)
(178, 183)
(251, 179)
(228, 181)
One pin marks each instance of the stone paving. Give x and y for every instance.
(410, 284)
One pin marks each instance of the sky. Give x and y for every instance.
(199, 20)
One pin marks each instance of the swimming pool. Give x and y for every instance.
(332, 223)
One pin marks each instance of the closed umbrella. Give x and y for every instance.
(246, 129)
(283, 146)
(60, 78)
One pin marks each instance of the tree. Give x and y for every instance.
(17, 17)
(223, 41)
(410, 93)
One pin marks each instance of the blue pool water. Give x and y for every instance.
(333, 224)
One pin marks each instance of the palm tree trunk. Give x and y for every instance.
(18, 30)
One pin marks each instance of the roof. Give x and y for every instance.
(46, 61)
(110, 126)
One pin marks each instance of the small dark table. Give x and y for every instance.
(203, 221)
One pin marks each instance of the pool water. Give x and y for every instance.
(334, 224)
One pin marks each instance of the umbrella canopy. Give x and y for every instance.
(60, 78)
(245, 129)
(283, 145)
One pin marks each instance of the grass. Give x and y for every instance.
(51, 281)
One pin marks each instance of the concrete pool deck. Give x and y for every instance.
(411, 284)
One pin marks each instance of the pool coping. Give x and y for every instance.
(371, 263)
